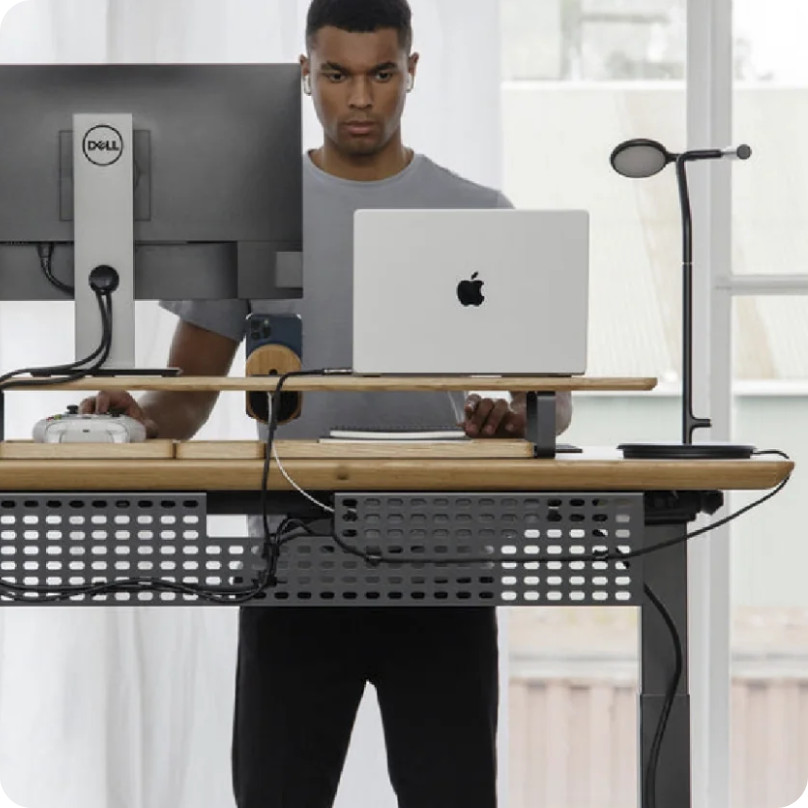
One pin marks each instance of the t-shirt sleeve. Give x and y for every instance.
(503, 201)
(225, 317)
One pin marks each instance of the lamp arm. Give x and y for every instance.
(703, 154)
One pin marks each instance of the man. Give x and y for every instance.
(302, 672)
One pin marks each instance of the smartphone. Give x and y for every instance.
(275, 329)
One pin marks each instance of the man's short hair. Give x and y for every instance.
(361, 17)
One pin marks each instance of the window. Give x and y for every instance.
(578, 79)
(769, 635)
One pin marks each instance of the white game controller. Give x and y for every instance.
(70, 427)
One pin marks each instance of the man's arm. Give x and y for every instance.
(176, 415)
(563, 408)
(196, 352)
(489, 418)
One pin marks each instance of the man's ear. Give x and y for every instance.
(412, 66)
(305, 74)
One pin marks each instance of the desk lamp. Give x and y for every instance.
(638, 159)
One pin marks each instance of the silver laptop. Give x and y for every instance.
(478, 292)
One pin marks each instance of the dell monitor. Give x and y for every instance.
(185, 179)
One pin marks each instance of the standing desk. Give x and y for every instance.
(68, 518)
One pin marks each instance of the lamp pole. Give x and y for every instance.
(690, 423)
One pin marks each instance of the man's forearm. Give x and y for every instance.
(178, 416)
(563, 408)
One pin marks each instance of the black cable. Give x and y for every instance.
(45, 252)
(721, 522)
(272, 545)
(273, 541)
(61, 374)
(376, 558)
(105, 312)
(22, 593)
(103, 281)
(673, 687)
(649, 797)
(270, 552)
(670, 696)
(304, 529)
(652, 765)
(649, 800)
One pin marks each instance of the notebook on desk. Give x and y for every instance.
(421, 434)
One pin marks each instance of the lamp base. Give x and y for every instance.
(685, 451)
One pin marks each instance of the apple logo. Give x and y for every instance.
(469, 292)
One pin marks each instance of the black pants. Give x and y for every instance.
(301, 675)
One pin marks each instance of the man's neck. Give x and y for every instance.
(392, 160)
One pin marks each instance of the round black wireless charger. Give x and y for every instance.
(686, 451)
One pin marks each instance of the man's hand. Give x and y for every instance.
(121, 402)
(486, 418)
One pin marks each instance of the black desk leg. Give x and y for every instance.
(540, 427)
(665, 573)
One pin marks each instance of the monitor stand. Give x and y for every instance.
(114, 372)
(111, 373)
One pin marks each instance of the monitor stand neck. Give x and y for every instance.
(103, 183)
(103, 211)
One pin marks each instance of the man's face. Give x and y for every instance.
(359, 86)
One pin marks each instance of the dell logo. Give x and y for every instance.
(103, 145)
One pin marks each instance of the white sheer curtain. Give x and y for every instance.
(128, 708)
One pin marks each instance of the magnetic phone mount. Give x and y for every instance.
(273, 360)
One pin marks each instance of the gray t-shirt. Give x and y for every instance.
(326, 308)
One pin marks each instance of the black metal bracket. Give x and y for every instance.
(540, 425)
(680, 507)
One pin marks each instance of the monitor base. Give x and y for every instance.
(108, 373)
(111, 372)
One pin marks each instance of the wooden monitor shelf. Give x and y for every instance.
(356, 383)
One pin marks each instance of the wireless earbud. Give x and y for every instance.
(410, 83)
(307, 84)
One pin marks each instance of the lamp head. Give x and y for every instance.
(640, 158)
